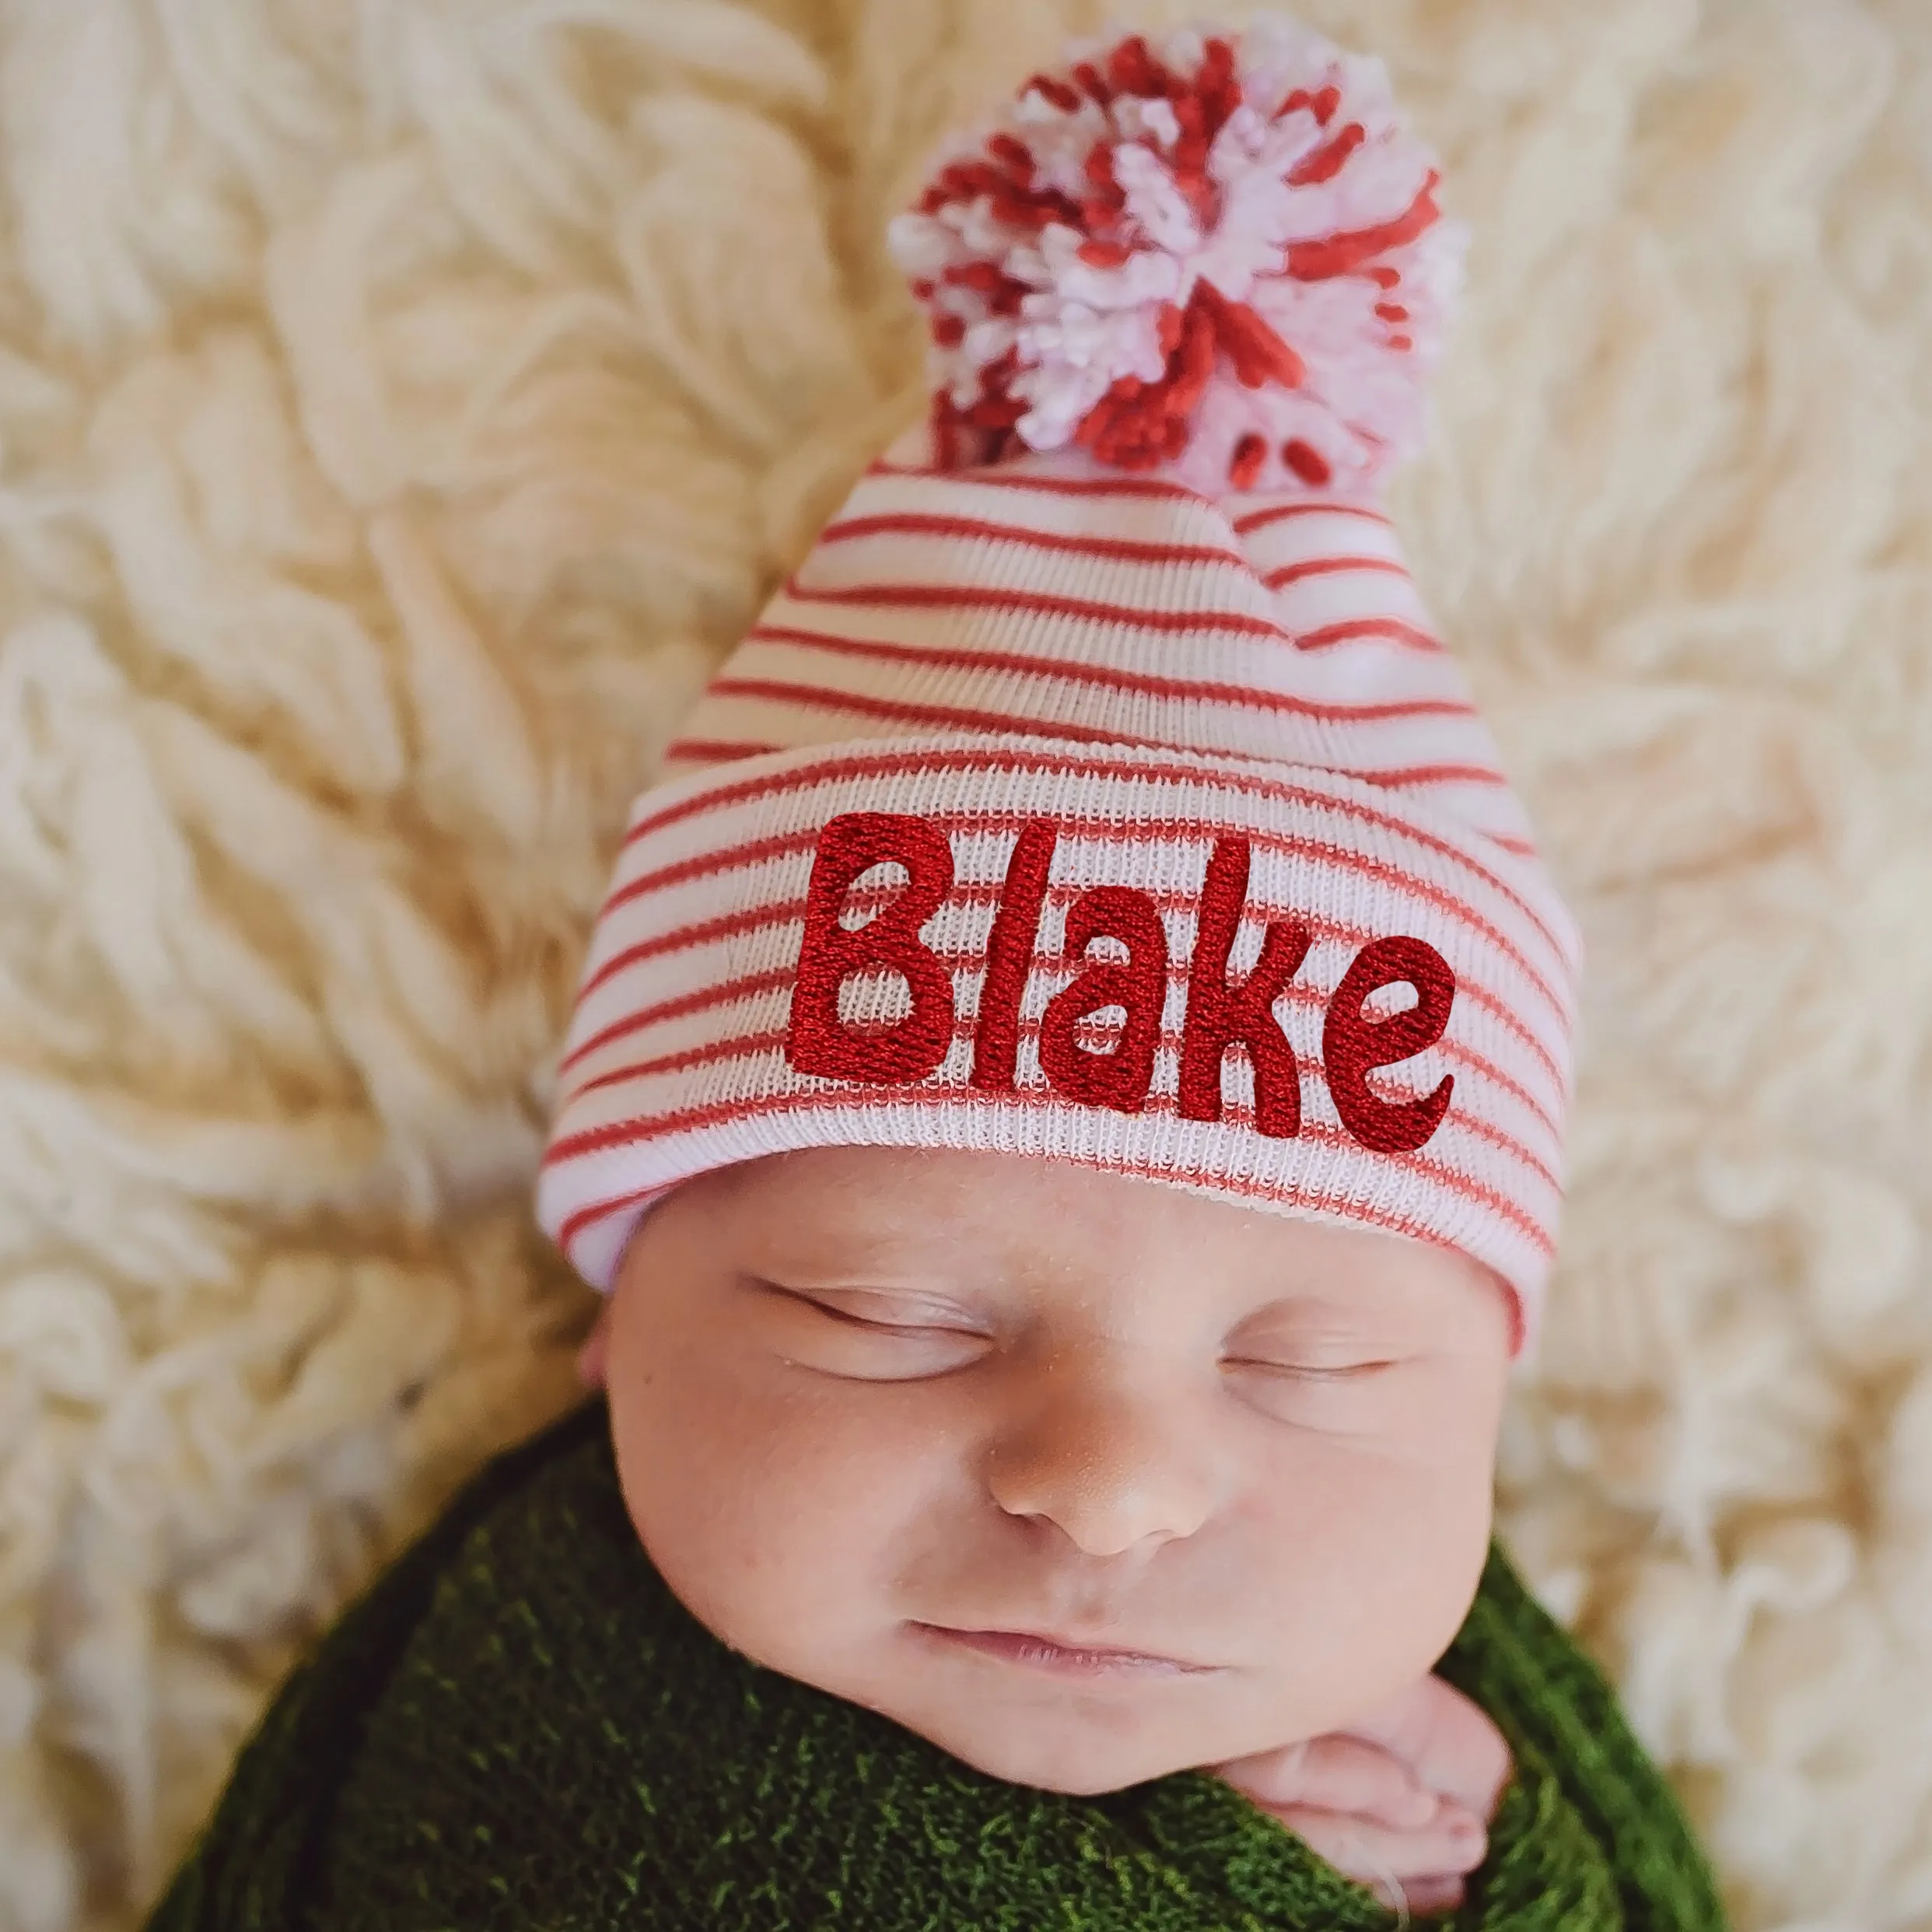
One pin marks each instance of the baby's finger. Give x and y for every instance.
(1335, 1773)
(1452, 1744)
(1366, 1851)
(1422, 1897)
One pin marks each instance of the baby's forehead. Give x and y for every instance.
(1048, 1224)
(895, 1194)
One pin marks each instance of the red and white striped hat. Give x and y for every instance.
(1097, 788)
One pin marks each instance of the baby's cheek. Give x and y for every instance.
(1372, 1556)
(773, 1514)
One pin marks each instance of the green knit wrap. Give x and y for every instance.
(520, 1728)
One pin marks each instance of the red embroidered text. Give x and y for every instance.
(1223, 1010)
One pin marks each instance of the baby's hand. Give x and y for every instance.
(1399, 1802)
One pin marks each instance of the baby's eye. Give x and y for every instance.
(1312, 1371)
(870, 1334)
(890, 1314)
(1320, 1391)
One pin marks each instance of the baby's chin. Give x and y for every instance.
(1082, 1752)
(1078, 1766)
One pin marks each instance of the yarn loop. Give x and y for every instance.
(1221, 256)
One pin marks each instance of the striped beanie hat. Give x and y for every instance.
(1097, 788)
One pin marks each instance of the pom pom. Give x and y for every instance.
(1220, 255)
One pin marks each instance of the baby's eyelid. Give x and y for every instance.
(1314, 1371)
(893, 1314)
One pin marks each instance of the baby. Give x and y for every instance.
(1100, 736)
(1065, 1097)
(1090, 891)
(1086, 1479)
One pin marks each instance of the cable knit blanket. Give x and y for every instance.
(403, 405)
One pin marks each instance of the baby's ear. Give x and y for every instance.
(593, 1356)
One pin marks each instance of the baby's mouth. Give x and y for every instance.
(1032, 1651)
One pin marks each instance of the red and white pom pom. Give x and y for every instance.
(1221, 256)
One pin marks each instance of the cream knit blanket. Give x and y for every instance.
(402, 403)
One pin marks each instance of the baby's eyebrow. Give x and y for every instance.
(880, 1264)
(1313, 1302)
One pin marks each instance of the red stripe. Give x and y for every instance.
(747, 1046)
(720, 751)
(1118, 549)
(635, 1133)
(948, 596)
(701, 932)
(708, 863)
(717, 750)
(1072, 671)
(894, 763)
(1280, 512)
(682, 1007)
(823, 697)
(1434, 774)
(1390, 629)
(739, 1047)
(1049, 485)
(753, 984)
(1330, 566)
(903, 711)
(748, 918)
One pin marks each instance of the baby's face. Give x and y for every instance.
(935, 1432)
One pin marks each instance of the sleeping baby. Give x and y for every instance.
(1066, 1102)
(1085, 1479)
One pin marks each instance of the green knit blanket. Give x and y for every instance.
(518, 1727)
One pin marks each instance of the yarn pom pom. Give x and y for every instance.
(1221, 257)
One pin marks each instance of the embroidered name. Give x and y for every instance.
(1222, 1011)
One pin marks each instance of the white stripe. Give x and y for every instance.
(1298, 540)
(894, 557)
(1350, 597)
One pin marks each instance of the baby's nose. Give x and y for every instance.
(1110, 1466)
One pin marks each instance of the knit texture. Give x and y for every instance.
(520, 1727)
(1151, 678)
(1129, 591)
